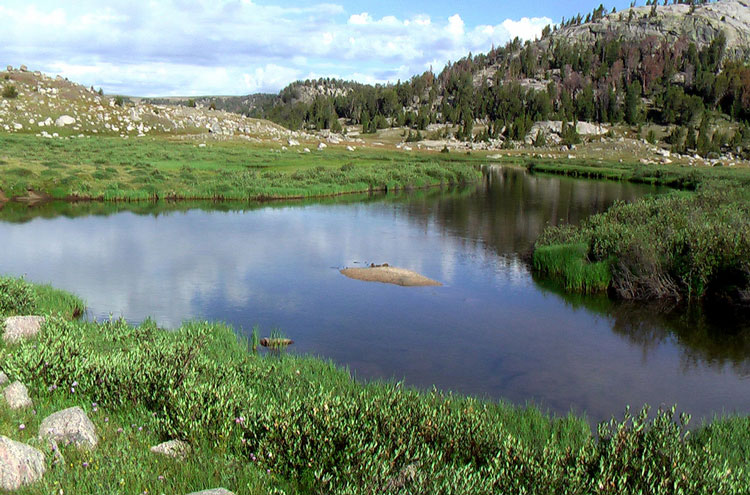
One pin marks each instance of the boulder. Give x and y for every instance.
(17, 396)
(322, 146)
(23, 68)
(21, 327)
(9, 68)
(70, 427)
(64, 120)
(20, 464)
(3, 379)
(173, 448)
(213, 491)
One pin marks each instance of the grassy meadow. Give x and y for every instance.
(115, 169)
(277, 423)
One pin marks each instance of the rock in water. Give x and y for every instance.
(20, 464)
(21, 327)
(213, 491)
(173, 448)
(17, 396)
(70, 426)
(390, 275)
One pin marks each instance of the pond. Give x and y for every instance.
(491, 330)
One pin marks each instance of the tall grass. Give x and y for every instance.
(568, 263)
(681, 245)
(19, 297)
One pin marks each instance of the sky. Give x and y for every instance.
(236, 47)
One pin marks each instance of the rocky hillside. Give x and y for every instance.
(32, 102)
(698, 24)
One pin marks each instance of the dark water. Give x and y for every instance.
(492, 330)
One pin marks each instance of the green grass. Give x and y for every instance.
(19, 297)
(568, 264)
(680, 245)
(113, 169)
(260, 423)
(673, 175)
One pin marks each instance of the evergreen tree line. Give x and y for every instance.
(613, 81)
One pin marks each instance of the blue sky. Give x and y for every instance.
(196, 47)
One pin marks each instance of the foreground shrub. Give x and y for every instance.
(309, 422)
(17, 297)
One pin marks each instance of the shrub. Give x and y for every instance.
(10, 91)
(17, 297)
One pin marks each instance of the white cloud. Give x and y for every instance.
(526, 28)
(189, 47)
(455, 26)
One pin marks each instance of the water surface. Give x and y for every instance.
(492, 330)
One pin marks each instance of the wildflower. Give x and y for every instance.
(161, 477)
(106, 420)
(119, 430)
(75, 384)
(140, 428)
(22, 426)
(85, 464)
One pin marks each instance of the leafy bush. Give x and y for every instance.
(17, 297)
(310, 422)
(677, 245)
(10, 91)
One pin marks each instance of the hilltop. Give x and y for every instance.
(50, 107)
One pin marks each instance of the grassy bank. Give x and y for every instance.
(685, 245)
(677, 176)
(19, 297)
(115, 169)
(680, 245)
(286, 424)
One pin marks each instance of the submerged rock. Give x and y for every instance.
(17, 396)
(20, 464)
(22, 327)
(70, 427)
(390, 275)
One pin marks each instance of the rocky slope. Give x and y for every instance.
(53, 107)
(673, 22)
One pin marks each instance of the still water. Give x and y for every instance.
(491, 330)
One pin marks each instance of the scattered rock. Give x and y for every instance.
(3, 379)
(213, 491)
(322, 146)
(17, 396)
(70, 426)
(21, 327)
(20, 464)
(173, 448)
(23, 68)
(9, 68)
(64, 120)
(293, 142)
(349, 148)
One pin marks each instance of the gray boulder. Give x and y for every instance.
(70, 427)
(213, 491)
(173, 448)
(20, 464)
(17, 396)
(21, 327)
